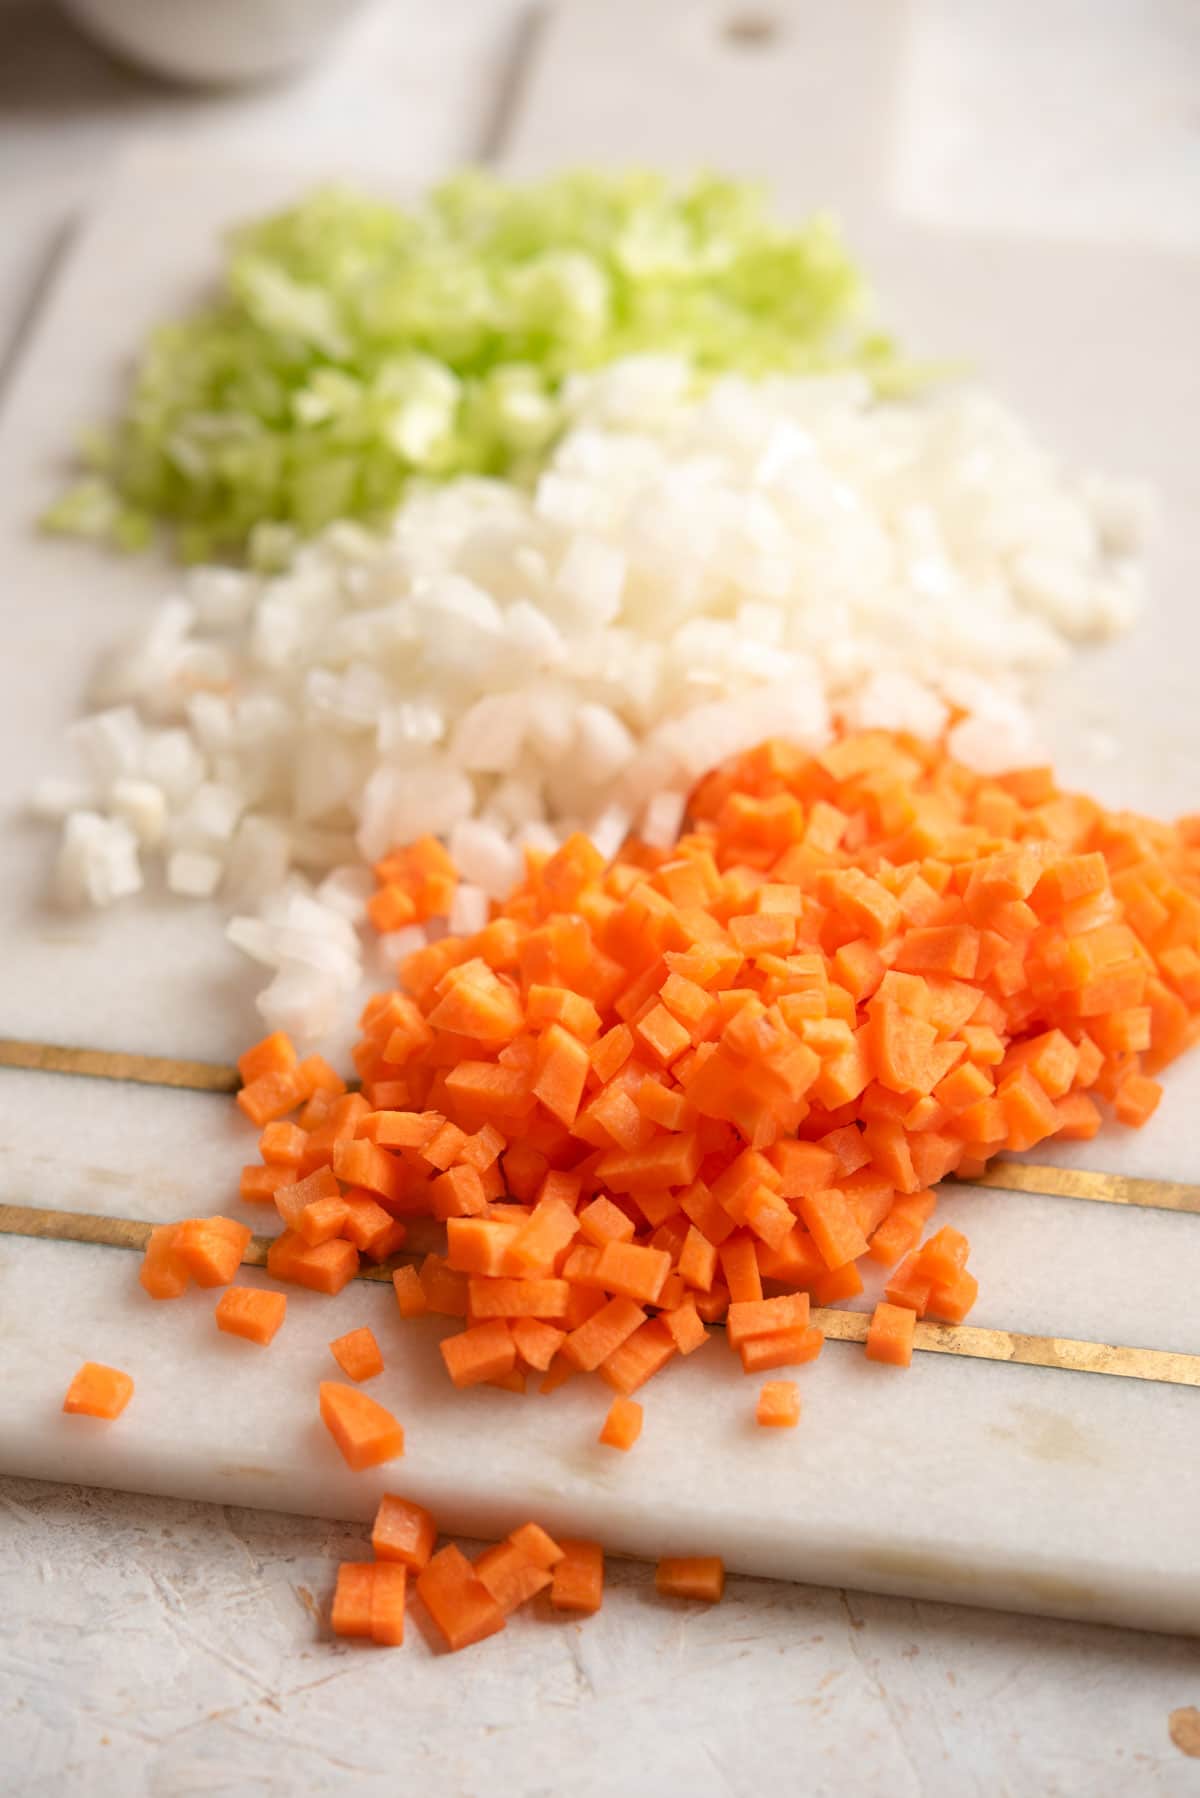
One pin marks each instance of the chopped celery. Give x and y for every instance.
(354, 345)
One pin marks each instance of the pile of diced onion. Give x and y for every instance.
(691, 573)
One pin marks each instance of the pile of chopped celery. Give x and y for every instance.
(355, 345)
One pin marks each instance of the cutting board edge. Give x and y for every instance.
(1162, 1604)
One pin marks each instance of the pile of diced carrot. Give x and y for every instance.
(465, 1601)
(703, 1084)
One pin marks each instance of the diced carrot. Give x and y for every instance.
(482, 1148)
(782, 1348)
(361, 1163)
(899, 1232)
(765, 1317)
(700, 1577)
(269, 1097)
(686, 1327)
(540, 1549)
(952, 1299)
(667, 1080)
(481, 1352)
(477, 1245)
(837, 1283)
(943, 1256)
(603, 1333)
(602, 1222)
(890, 1335)
(909, 1287)
(639, 1357)
(739, 1264)
(579, 1268)
(256, 1185)
(1078, 1118)
(162, 1273)
(537, 1342)
(804, 1167)
(403, 1531)
(508, 1297)
(389, 1592)
(697, 1262)
(352, 1599)
(510, 1576)
(1137, 1099)
(458, 1193)
(562, 1069)
(634, 1272)
(210, 1248)
(314, 1075)
(831, 1220)
(578, 1583)
(623, 1424)
(549, 1229)
(292, 1200)
(940, 949)
(1029, 1114)
(98, 1391)
(357, 1354)
(321, 1220)
(273, 1055)
(559, 1005)
(778, 1405)
(457, 1600)
(326, 1268)
(250, 1312)
(410, 1293)
(847, 1145)
(380, 1245)
(445, 1291)
(400, 1129)
(364, 1432)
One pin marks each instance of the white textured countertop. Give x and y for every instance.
(164, 1648)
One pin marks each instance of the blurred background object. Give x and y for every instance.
(215, 41)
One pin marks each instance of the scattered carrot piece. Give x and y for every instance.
(389, 1592)
(700, 1577)
(162, 1273)
(778, 1405)
(352, 1599)
(98, 1391)
(510, 1576)
(366, 1434)
(536, 1545)
(578, 1583)
(250, 1312)
(210, 1248)
(890, 1335)
(457, 1600)
(623, 1425)
(357, 1354)
(403, 1531)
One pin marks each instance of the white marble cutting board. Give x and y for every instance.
(1002, 1485)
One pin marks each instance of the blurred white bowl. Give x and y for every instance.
(214, 40)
